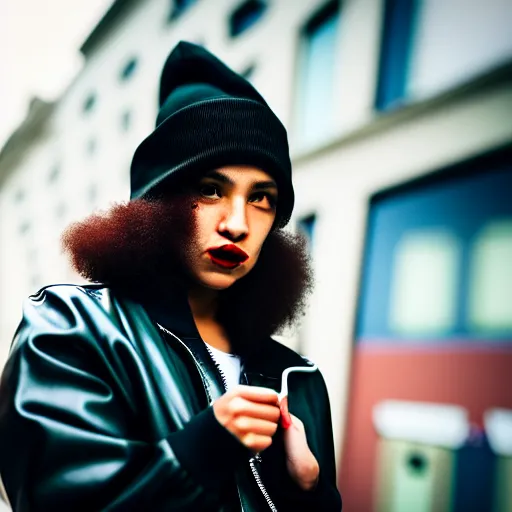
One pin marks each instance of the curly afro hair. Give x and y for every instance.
(138, 248)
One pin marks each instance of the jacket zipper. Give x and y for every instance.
(257, 477)
(219, 369)
(252, 460)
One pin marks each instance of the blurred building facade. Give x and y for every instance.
(376, 94)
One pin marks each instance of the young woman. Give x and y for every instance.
(158, 388)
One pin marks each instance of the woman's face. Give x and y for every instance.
(236, 208)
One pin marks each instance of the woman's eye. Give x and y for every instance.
(263, 197)
(209, 191)
(258, 197)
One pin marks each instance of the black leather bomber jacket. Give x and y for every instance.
(105, 405)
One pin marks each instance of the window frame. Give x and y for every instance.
(330, 8)
(398, 29)
(128, 69)
(483, 165)
(245, 16)
(89, 103)
(178, 8)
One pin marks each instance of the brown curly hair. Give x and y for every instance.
(139, 248)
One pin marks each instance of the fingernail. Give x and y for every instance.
(286, 419)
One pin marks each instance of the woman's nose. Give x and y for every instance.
(234, 224)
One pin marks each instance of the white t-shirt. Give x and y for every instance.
(229, 364)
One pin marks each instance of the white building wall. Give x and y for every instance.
(458, 40)
(27, 259)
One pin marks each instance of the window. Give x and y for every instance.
(24, 227)
(315, 85)
(424, 283)
(91, 146)
(395, 52)
(126, 120)
(248, 72)
(245, 16)
(128, 69)
(430, 46)
(490, 308)
(306, 226)
(89, 103)
(19, 196)
(54, 174)
(178, 7)
(438, 255)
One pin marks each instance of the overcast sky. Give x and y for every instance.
(39, 51)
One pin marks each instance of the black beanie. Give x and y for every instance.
(210, 117)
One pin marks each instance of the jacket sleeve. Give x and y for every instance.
(318, 425)
(66, 430)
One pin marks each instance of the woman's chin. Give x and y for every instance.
(217, 280)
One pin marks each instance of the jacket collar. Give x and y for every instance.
(171, 310)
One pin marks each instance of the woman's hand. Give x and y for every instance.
(251, 414)
(300, 461)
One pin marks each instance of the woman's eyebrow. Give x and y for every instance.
(220, 177)
(264, 184)
(257, 185)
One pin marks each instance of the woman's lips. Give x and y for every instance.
(227, 256)
(224, 263)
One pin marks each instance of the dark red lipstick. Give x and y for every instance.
(227, 256)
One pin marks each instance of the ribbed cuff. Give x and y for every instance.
(207, 450)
